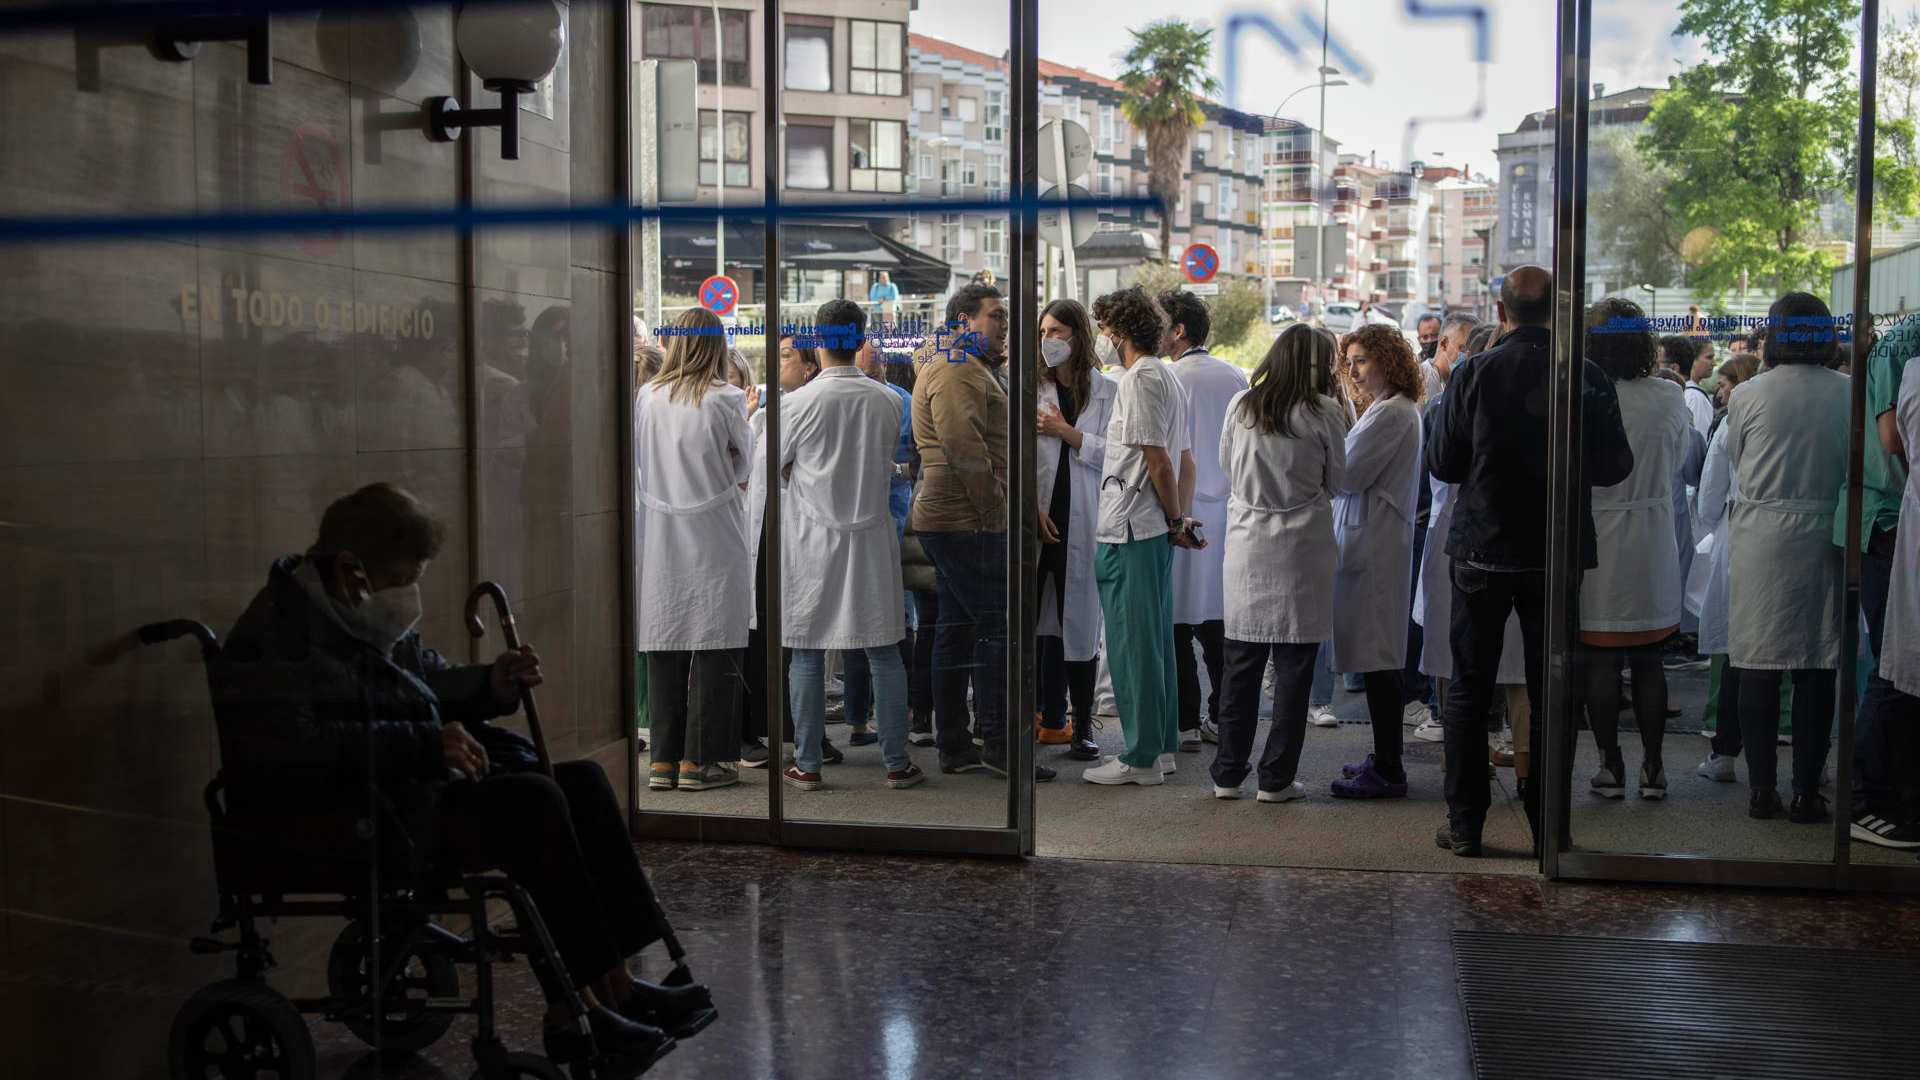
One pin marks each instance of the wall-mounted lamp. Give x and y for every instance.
(180, 40)
(511, 47)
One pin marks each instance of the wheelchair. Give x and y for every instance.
(392, 974)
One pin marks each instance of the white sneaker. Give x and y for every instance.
(1415, 714)
(1716, 767)
(1227, 792)
(1431, 730)
(1209, 731)
(1295, 790)
(1322, 716)
(1167, 765)
(1115, 771)
(1190, 741)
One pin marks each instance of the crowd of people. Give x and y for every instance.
(1359, 505)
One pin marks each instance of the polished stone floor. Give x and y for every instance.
(849, 966)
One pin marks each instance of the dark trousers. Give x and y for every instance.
(1482, 600)
(1418, 686)
(926, 604)
(565, 841)
(1886, 732)
(857, 678)
(1726, 740)
(970, 641)
(693, 699)
(1386, 697)
(1246, 663)
(1212, 635)
(1813, 699)
(1598, 683)
(1063, 682)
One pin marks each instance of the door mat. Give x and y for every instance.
(1546, 1006)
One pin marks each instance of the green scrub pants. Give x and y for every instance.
(1136, 599)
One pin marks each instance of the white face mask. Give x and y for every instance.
(1103, 348)
(1054, 351)
(383, 618)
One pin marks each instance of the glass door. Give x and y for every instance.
(879, 704)
(1710, 651)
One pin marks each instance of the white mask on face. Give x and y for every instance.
(1054, 351)
(1103, 348)
(383, 618)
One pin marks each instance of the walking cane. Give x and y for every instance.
(681, 975)
(478, 629)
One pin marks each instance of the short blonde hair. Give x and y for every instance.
(696, 356)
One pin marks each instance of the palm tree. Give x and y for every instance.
(1165, 78)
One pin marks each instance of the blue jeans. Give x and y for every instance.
(858, 680)
(806, 681)
(970, 636)
(1322, 690)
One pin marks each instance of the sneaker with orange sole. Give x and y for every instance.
(1047, 736)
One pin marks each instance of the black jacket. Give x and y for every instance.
(308, 713)
(1490, 442)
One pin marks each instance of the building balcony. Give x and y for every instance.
(1401, 264)
(1377, 234)
(1376, 203)
(1376, 266)
(1290, 157)
(1400, 232)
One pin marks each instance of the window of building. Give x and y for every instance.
(876, 155)
(950, 173)
(969, 109)
(950, 238)
(946, 107)
(1224, 203)
(730, 142)
(810, 155)
(1202, 195)
(1106, 129)
(1103, 178)
(996, 115)
(1203, 142)
(969, 175)
(923, 99)
(993, 244)
(969, 240)
(996, 173)
(673, 32)
(809, 57)
(926, 166)
(878, 64)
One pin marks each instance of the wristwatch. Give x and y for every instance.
(1176, 523)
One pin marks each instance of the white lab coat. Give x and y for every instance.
(1373, 521)
(1787, 440)
(1900, 653)
(1699, 408)
(1718, 487)
(1688, 477)
(695, 584)
(1081, 635)
(840, 557)
(1433, 602)
(1278, 547)
(1210, 383)
(1637, 584)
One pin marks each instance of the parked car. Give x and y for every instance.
(1340, 317)
(1283, 314)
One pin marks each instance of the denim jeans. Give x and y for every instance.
(1321, 692)
(970, 638)
(857, 678)
(806, 681)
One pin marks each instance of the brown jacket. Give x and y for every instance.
(960, 428)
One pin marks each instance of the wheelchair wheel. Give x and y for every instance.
(406, 1026)
(523, 1067)
(240, 1030)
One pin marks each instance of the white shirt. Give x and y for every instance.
(1700, 407)
(1211, 385)
(1150, 409)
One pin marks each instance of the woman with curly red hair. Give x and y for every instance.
(1373, 524)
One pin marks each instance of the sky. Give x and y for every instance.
(1427, 62)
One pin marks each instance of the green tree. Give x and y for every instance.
(1629, 219)
(1165, 78)
(1759, 132)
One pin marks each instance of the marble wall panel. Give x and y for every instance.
(410, 391)
(526, 537)
(597, 417)
(258, 509)
(597, 647)
(277, 361)
(394, 164)
(522, 260)
(595, 143)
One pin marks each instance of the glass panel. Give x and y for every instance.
(864, 599)
(809, 157)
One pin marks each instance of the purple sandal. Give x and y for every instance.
(1353, 769)
(1369, 784)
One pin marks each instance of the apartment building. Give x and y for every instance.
(1460, 235)
(846, 113)
(958, 133)
(1297, 169)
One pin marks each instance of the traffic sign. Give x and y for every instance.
(1200, 262)
(1076, 147)
(1084, 221)
(718, 294)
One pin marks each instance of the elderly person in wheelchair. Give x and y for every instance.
(330, 702)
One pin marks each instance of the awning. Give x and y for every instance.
(813, 245)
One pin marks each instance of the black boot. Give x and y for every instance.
(680, 1011)
(1082, 747)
